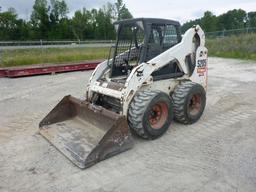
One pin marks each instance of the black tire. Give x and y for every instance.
(150, 114)
(189, 101)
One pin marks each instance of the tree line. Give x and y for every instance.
(49, 21)
(233, 19)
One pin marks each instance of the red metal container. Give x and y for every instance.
(46, 69)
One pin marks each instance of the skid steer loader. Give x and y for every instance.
(152, 76)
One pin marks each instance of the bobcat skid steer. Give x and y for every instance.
(152, 76)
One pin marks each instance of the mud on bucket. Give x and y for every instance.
(85, 134)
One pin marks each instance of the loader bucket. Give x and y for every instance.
(85, 134)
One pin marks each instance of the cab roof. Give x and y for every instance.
(148, 21)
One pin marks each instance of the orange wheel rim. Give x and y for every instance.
(195, 104)
(158, 115)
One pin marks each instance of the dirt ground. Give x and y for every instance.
(218, 153)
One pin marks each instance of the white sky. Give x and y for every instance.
(186, 10)
(180, 10)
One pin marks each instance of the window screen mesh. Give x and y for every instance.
(128, 49)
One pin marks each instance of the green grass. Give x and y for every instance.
(239, 47)
(20, 57)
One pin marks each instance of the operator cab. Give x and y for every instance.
(139, 40)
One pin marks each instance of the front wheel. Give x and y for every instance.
(150, 114)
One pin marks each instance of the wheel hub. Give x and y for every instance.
(195, 104)
(158, 115)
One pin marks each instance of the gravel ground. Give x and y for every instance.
(218, 153)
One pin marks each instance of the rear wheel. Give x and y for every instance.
(150, 114)
(189, 101)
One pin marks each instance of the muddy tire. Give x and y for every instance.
(189, 101)
(150, 114)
